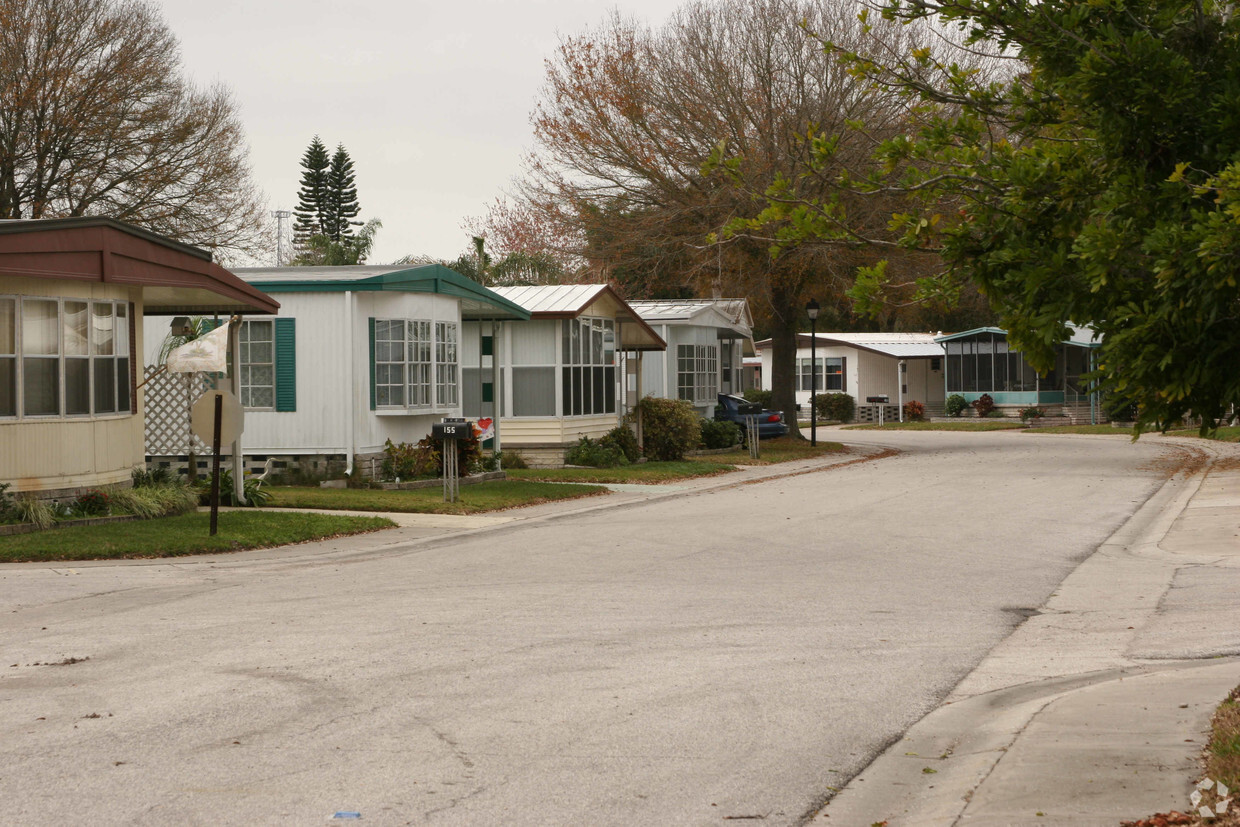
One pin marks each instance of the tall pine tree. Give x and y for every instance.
(342, 205)
(310, 217)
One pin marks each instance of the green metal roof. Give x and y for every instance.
(477, 302)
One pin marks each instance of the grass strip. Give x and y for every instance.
(941, 426)
(781, 449)
(494, 495)
(644, 473)
(1105, 430)
(181, 535)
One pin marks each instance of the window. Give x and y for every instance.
(258, 364)
(697, 373)
(588, 378)
(445, 364)
(407, 365)
(830, 376)
(64, 357)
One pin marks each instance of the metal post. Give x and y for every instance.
(811, 310)
(215, 464)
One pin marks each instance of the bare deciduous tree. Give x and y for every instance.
(96, 119)
(650, 143)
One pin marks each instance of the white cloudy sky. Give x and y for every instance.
(431, 100)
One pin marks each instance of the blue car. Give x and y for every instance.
(737, 409)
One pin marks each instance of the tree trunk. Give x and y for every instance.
(785, 324)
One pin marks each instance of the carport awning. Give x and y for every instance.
(176, 279)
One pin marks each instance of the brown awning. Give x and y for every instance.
(176, 279)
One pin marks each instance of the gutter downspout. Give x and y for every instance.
(496, 396)
(234, 367)
(900, 368)
(350, 374)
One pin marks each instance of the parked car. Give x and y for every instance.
(737, 409)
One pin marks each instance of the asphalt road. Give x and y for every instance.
(706, 659)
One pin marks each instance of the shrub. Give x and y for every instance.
(914, 411)
(720, 434)
(509, 459)
(144, 478)
(1032, 412)
(406, 462)
(92, 504)
(255, 494)
(149, 501)
(955, 405)
(38, 512)
(623, 438)
(8, 508)
(838, 406)
(468, 455)
(670, 427)
(763, 398)
(596, 454)
(984, 404)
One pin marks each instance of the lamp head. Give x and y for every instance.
(811, 309)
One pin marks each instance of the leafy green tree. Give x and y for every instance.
(311, 215)
(1098, 183)
(512, 269)
(340, 208)
(322, 251)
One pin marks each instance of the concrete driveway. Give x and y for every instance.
(697, 659)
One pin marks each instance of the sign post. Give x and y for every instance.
(217, 417)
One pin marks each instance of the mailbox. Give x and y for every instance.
(455, 429)
(884, 399)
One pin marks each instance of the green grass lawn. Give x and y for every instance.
(781, 449)
(181, 535)
(972, 425)
(1225, 434)
(1106, 429)
(474, 499)
(648, 473)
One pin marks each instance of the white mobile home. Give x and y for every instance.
(901, 366)
(557, 373)
(707, 339)
(357, 356)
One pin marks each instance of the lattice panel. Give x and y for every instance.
(169, 397)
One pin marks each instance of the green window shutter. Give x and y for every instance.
(488, 346)
(286, 364)
(488, 392)
(372, 363)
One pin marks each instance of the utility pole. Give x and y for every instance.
(281, 216)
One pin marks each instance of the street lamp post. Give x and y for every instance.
(811, 310)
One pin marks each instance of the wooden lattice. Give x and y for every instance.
(169, 397)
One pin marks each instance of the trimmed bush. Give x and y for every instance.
(837, 406)
(763, 398)
(984, 404)
(8, 508)
(623, 438)
(914, 411)
(955, 405)
(1032, 412)
(406, 462)
(720, 434)
(594, 454)
(670, 427)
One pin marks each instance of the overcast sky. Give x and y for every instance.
(432, 100)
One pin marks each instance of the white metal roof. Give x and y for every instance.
(553, 298)
(730, 313)
(897, 345)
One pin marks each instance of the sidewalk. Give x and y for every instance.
(1096, 709)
